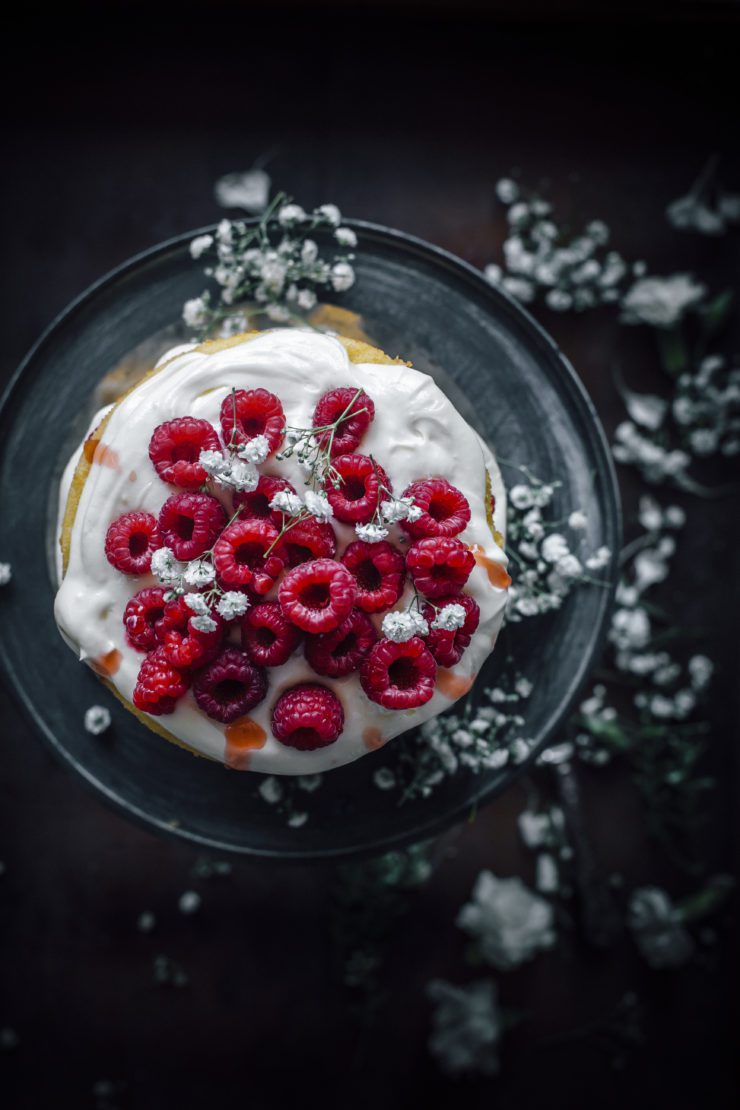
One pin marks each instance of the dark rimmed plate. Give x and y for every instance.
(500, 368)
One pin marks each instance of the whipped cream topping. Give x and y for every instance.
(416, 433)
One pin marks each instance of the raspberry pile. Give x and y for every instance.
(251, 576)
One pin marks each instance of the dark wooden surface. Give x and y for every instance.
(112, 142)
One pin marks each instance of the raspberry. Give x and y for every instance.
(448, 647)
(256, 505)
(439, 565)
(340, 652)
(189, 524)
(399, 676)
(445, 511)
(309, 539)
(317, 595)
(258, 413)
(159, 685)
(185, 646)
(268, 637)
(378, 570)
(230, 686)
(140, 616)
(130, 542)
(240, 558)
(307, 717)
(356, 498)
(355, 423)
(175, 448)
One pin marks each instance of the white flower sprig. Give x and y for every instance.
(273, 266)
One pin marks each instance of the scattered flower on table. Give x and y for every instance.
(248, 190)
(97, 719)
(661, 302)
(466, 1027)
(189, 902)
(6, 574)
(510, 923)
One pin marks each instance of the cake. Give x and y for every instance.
(281, 550)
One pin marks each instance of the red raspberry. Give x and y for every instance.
(354, 424)
(307, 717)
(448, 647)
(445, 511)
(130, 542)
(140, 616)
(258, 413)
(340, 652)
(439, 565)
(309, 539)
(230, 686)
(268, 637)
(185, 646)
(378, 570)
(399, 676)
(175, 448)
(359, 492)
(189, 524)
(240, 558)
(317, 595)
(256, 505)
(159, 685)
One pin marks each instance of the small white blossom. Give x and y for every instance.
(248, 190)
(225, 232)
(279, 313)
(203, 624)
(577, 520)
(450, 618)
(296, 820)
(318, 505)
(330, 213)
(510, 923)
(466, 1027)
(493, 274)
(399, 508)
(554, 548)
(255, 450)
(547, 879)
(146, 921)
(189, 902)
(519, 288)
(97, 719)
(286, 502)
(346, 237)
(657, 928)
(214, 463)
(233, 604)
(6, 573)
(309, 783)
(309, 252)
(271, 790)
(306, 300)
(521, 497)
(661, 302)
(195, 312)
(401, 627)
(371, 533)
(507, 190)
(342, 277)
(241, 475)
(290, 215)
(559, 300)
(700, 671)
(166, 567)
(198, 604)
(200, 245)
(199, 573)
(599, 559)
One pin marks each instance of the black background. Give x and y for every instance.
(117, 119)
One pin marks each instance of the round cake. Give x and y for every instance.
(282, 550)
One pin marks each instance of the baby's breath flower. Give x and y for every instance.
(599, 559)
(279, 313)
(97, 719)
(6, 573)
(200, 245)
(290, 215)
(199, 573)
(318, 505)
(450, 618)
(399, 508)
(371, 533)
(287, 502)
(401, 627)
(306, 299)
(521, 496)
(214, 463)
(507, 190)
(195, 311)
(346, 237)
(233, 604)
(243, 476)
(204, 624)
(166, 567)
(309, 252)
(577, 520)
(198, 604)
(342, 276)
(554, 547)
(255, 451)
(330, 213)
(700, 671)
(225, 232)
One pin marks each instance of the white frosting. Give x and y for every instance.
(416, 433)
